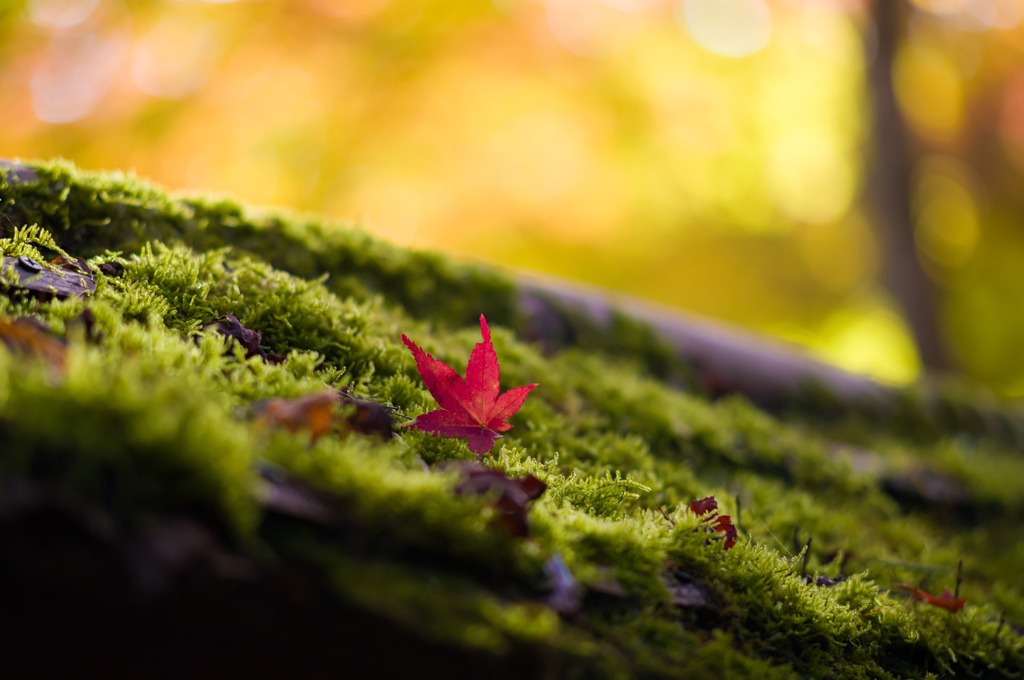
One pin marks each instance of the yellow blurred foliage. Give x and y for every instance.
(708, 154)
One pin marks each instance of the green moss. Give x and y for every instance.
(158, 418)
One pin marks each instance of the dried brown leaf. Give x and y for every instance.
(511, 496)
(30, 337)
(314, 413)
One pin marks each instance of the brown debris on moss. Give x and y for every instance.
(35, 278)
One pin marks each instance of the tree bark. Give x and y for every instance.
(891, 169)
(725, 360)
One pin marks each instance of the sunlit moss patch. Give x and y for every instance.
(154, 414)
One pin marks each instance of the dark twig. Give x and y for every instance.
(739, 509)
(665, 515)
(959, 568)
(807, 554)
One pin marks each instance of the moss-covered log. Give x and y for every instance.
(150, 500)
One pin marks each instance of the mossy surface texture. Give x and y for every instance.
(159, 418)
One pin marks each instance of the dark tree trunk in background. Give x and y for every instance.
(890, 173)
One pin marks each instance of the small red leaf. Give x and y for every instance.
(701, 506)
(724, 526)
(472, 408)
(708, 509)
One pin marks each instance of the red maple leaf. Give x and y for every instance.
(470, 408)
(723, 525)
(946, 600)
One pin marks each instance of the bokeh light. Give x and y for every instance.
(175, 57)
(868, 337)
(811, 178)
(730, 28)
(592, 28)
(61, 13)
(975, 15)
(929, 90)
(349, 9)
(947, 216)
(70, 83)
(633, 6)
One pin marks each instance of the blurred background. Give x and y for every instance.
(846, 174)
